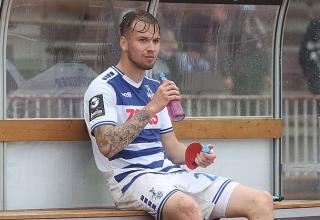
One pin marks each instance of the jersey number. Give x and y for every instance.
(132, 112)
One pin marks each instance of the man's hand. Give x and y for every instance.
(166, 92)
(205, 159)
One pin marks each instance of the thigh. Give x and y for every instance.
(240, 200)
(149, 193)
(211, 192)
(181, 206)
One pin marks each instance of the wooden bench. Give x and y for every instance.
(283, 209)
(71, 130)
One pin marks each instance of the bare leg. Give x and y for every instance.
(251, 203)
(181, 207)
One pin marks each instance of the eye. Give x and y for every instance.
(142, 40)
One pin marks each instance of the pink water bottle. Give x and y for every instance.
(174, 107)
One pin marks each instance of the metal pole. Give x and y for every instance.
(277, 94)
(5, 11)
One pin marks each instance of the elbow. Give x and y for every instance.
(103, 140)
(104, 147)
(105, 150)
(175, 160)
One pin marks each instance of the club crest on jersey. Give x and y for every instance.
(96, 107)
(154, 194)
(150, 94)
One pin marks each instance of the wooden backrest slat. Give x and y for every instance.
(75, 129)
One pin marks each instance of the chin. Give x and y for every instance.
(144, 66)
(148, 67)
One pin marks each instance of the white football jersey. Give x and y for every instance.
(113, 98)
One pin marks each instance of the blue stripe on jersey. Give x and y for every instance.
(102, 123)
(166, 169)
(121, 176)
(147, 136)
(166, 130)
(125, 188)
(220, 191)
(153, 165)
(129, 154)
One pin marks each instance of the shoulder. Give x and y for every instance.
(108, 75)
(102, 83)
(105, 77)
(151, 81)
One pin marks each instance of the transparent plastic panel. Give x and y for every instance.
(301, 101)
(220, 56)
(54, 50)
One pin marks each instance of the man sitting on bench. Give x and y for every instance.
(135, 146)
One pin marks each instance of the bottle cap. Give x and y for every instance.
(162, 76)
(207, 149)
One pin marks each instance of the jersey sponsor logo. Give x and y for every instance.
(127, 94)
(96, 107)
(94, 102)
(132, 112)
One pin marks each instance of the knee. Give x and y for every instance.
(181, 207)
(263, 201)
(189, 207)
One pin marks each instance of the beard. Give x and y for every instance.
(140, 64)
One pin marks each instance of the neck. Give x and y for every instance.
(131, 70)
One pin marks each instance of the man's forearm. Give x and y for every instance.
(112, 140)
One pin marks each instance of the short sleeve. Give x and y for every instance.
(166, 125)
(99, 105)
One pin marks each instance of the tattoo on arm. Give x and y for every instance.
(113, 139)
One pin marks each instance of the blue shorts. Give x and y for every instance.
(150, 192)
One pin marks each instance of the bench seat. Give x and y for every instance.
(289, 204)
(71, 213)
(283, 209)
(296, 208)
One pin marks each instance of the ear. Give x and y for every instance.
(123, 43)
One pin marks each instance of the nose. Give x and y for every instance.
(151, 46)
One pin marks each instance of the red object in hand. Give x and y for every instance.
(191, 153)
